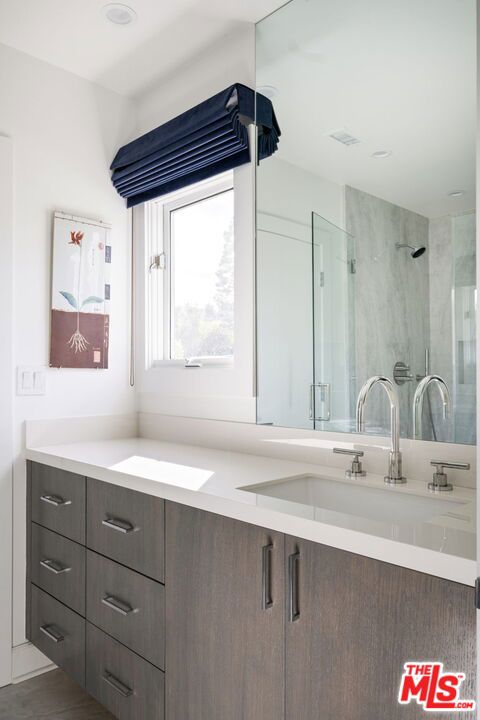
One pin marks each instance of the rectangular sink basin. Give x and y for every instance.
(353, 498)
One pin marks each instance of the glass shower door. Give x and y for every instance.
(334, 266)
(464, 327)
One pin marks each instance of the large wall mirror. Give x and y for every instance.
(366, 214)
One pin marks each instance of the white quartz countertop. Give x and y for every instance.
(210, 480)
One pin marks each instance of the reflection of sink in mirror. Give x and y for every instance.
(355, 499)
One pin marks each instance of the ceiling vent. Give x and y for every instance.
(344, 137)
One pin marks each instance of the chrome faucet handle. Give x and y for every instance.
(356, 470)
(439, 482)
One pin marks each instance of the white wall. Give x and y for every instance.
(286, 197)
(65, 131)
(222, 392)
(6, 403)
(230, 60)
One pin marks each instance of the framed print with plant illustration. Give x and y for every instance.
(79, 329)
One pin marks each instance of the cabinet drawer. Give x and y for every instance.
(58, 566)
(58, 633)
(128, 686)
(128, 606)
(58, 501)
(127, 526)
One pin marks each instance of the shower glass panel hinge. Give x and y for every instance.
(159, 262)
(322, 279)
(353, 266)
(320, 400)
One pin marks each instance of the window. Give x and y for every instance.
(192, 274)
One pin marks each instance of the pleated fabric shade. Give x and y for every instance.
(201, 142)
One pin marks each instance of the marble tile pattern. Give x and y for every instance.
(452, 325)
(464, 259)
(391, 299)
(441, 272)
(52, 696)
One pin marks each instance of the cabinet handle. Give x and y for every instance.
(55, 500)
(294, 611)
(267, 600)
(52, 632)
(117, 684)
(54, 566)
(122, 526)
(115, 604)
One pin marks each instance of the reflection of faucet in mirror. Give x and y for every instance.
(419, 396)
(394, 476)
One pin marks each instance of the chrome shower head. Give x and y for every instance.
(416, 251)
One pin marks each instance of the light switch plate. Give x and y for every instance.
(31, 380)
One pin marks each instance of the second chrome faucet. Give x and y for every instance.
(394, 476)
(418, 398)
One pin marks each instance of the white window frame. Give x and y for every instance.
(159, 324)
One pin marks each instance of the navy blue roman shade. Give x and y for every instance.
(201, 142)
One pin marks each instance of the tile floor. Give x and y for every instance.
(52, 696)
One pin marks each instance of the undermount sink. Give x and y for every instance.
(358, 499)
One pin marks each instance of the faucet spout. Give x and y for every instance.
(419, 397)
(395, 460)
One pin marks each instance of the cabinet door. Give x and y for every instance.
(352, 623)
(224, 618)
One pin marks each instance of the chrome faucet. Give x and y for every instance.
(419, 397)
(394, 476)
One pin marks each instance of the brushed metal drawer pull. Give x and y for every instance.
(52, 632)
(122, 526)
(54, 566)
(55, 500)
(117, 684)
(293, 606)
(115, 604)
(267, 600)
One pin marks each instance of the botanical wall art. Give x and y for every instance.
(80, 293)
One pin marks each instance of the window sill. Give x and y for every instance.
(205, 364)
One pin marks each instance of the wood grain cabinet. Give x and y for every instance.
(57, 500)
(127, 606)
(224, 618)
(341, 626)
(352, 623)
(190, 615)
(58, 567)
(59, 633)
(127, 526)
(127, 685)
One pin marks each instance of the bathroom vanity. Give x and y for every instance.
(161, 608)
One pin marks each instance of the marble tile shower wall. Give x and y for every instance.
(391, 291)
(441, 269)
(402, 306)
(452, 322)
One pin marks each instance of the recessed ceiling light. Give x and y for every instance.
(380, 154)
(456, 193)
(119, 14)
(268, 90)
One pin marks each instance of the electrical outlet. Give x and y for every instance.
(31, 380)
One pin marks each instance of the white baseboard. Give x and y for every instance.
(27, 662)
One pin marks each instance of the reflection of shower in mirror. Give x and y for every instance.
(416, 251)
